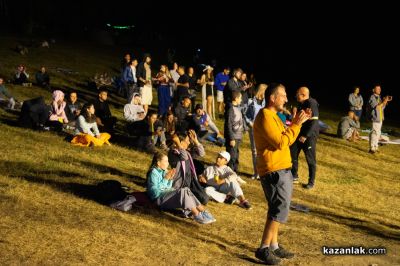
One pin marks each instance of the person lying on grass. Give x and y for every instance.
(222, 182)
(161, 192)
(87, 132)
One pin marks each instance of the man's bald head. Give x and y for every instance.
(303, 93)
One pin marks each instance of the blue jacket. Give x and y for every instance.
(157, 185)
(221, 78)
(128, 76)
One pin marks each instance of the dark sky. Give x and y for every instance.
(329, 47)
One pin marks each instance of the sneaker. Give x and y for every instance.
(372, 151)
(208, 215)
(308, 186)
(267, 256)
(230, 200)
(202, 219)
(295, 180)
(282, 253)
(245, 205)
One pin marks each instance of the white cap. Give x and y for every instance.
(226, 155)
(208, 67)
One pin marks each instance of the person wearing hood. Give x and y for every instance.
(57, 115)
(134, 110)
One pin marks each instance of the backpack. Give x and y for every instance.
(110, 191)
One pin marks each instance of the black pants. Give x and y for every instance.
(109, 123)
(234, 152)
(309, 149)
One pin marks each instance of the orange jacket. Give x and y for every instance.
(272, 142)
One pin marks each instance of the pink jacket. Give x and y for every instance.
(57, 110)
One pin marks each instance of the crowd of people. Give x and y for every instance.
(177, 131)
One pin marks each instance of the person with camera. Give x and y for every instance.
(376, 108)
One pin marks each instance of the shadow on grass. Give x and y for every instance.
(390, 232)
(89, 191)
(114, 171)
(9, 122)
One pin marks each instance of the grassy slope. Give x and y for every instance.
(47, 216)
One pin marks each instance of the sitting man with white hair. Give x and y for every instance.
(223, 183)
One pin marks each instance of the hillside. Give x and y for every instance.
(47, 214)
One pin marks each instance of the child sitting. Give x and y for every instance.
(222, 182)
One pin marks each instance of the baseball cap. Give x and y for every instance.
(225, 155)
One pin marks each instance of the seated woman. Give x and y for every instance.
(87, 132)
(223, 182)
(160, 191)
(57, 116)
(169, 123)
(182, 155)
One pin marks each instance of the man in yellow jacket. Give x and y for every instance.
(273, 165)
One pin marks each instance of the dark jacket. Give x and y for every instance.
(70, 108)
(42, 78)
(102, 110)
(310, 128)
(186, 175)
(230, 87)
(140, 73)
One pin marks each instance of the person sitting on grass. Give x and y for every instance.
(87, 132)
(134, 111)
(149, 132)
(186, 145)
(22, 77)
(169, 123)
(42, 78)
(205, 128)
(223, 183)
(161, 192)
(57, 116)
(348, 127)
(73, 108)
(105, 120)
(9, 98)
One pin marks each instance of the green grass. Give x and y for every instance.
(46, 216)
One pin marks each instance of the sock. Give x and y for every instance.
(264, 246)
(274, 246)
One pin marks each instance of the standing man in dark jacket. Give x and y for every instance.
(307, 139)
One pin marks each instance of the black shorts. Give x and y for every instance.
(209, 90)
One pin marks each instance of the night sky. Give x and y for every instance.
(330, 50)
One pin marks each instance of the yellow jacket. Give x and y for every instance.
(272, 142)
